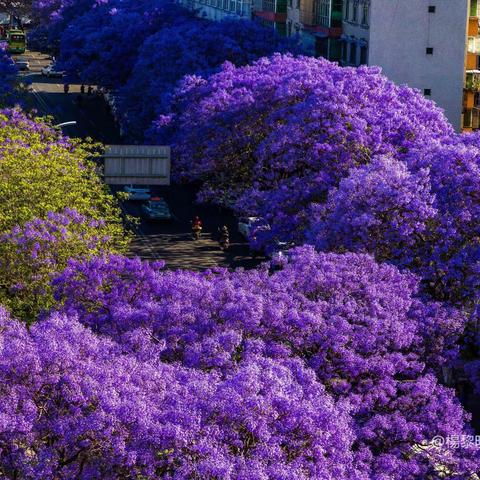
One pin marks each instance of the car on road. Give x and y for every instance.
(245, 225)
(22, 63)
(52, 71)
(137, 193)
(156, 209)
(279, 251)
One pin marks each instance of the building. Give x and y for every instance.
(431, 45)
(421, 43)
(271, 13)
(319, 25)
(220, 9)
(471, 100)
(356, 32)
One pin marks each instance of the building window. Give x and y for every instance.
(355, 12)
(474, 8)
(431, 9)
(347, 10)
(363, 55)
(365, 9)
(473, 45)
(353, 53)
(429, 50)
(336, 15)
(335, 49)
(344, 52)
(427, 92)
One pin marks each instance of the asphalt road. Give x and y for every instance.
(48, 98)
(170, 242)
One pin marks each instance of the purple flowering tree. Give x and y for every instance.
(102, 46)
(77, 405)
(274, 137)
(380, 208)
(193, 47)
(30, 255)
(371, 341)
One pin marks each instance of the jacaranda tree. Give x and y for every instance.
(53, 18)
(101, 46)
(373, 344)
(77, 405)
(32, 254)
(194, 47)
(274, 137)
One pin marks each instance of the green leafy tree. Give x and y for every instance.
(54, 207)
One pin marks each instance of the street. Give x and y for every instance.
(170, 242)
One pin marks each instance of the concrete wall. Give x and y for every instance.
(400, 32)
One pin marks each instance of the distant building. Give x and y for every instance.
(421, 43)
(220, 9)
(431, 45)
(471, 94)
(319, 25)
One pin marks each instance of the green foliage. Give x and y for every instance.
(53, 207)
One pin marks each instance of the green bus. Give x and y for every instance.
(16, 41)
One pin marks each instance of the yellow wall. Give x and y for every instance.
(473, 26)
(469, 100)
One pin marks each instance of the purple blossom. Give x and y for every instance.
(361, 327)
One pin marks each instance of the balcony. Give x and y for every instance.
(472, 80)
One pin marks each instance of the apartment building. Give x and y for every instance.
(471, 93)
(220, 9)
(421, 43)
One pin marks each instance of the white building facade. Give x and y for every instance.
(421, 43)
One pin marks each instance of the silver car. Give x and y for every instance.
(137, 193)
(52, 71)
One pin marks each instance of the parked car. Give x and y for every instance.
(137, 193)
(279, 251)
(52, 71)
(246, 224)
(22, 63)
(156, 209)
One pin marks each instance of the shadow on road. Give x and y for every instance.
(173, 243)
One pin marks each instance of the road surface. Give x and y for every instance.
(169, 242)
